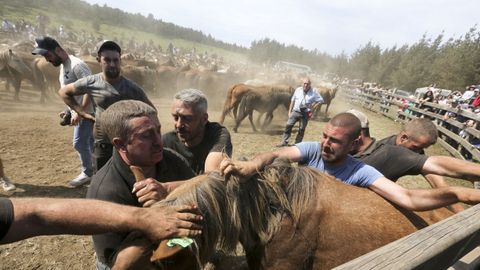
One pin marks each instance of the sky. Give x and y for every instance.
(333, 27)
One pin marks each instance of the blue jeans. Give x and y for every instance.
(83, 143)
(294, 118)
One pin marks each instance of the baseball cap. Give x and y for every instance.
(108, 45)
(361, 116)
(45, 44)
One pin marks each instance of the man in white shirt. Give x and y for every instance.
(304, 101)
(72, 69)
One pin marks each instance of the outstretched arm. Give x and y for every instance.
(249, 168)
(452, 167)
(424, 199)
(437, 181)
(44, 216)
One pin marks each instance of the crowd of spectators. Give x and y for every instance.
(453, 110)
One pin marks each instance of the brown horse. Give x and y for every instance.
(237, 91)
(291, 217)
(16, 67)
(327, 94)
(263, 103)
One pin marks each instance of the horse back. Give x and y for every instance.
(342, 223)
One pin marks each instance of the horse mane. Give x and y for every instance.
(246, 210)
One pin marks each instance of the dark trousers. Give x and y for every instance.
(292, 120)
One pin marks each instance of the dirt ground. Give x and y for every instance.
(38, 156)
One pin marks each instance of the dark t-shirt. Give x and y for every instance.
(6, 216)
(392, 140)
(114, 183)
(391, 160)
(216, 139)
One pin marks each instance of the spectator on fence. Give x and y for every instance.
(402, 108)
(469, 93)
(427, 97)
(456, 95)
(458, 107)
(446, 102)
(475, 102)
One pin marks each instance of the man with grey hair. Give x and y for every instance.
(134, 130)
(201, 142)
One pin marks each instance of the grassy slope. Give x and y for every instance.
(15, 13)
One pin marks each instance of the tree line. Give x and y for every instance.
(450, 64)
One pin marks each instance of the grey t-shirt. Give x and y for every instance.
(70, 71)
(104, 94)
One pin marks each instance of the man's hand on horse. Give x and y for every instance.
(243, 169)
(171, 221)
(150, 191)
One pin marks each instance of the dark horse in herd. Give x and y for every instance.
(290, 217)
(264, 103)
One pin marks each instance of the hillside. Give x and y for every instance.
(99, 23)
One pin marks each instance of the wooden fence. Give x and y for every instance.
(437, 246)
(390, 105)
(441, 245)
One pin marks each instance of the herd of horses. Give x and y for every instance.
(17, 65)
(242, 99)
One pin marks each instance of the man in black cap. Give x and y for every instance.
(105, 88)
(72, 69)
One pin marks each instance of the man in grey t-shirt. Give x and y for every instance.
(105, 89)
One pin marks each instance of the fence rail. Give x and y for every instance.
(390, 106)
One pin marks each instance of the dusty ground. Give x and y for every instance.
(38, 156)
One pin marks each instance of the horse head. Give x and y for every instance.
(248, 211)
